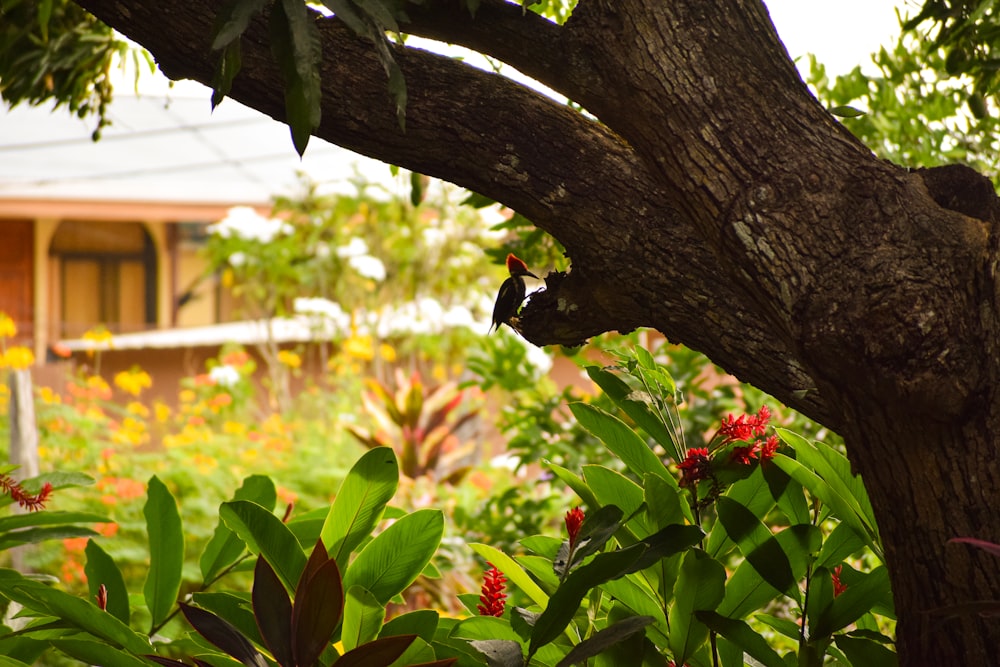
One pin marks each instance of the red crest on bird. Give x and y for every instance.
(517, 267)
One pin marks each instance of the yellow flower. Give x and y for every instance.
(18, 358)
(228, 278)
(48, 396)
(387, 352)
(133, 381)
(138, 409)
(360, 347)
(234, 428)
(162, 411)
(289, 358)
(8, 329)
(187, 396)
(100, 336)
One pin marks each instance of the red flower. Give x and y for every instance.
(769, 448)
(30, 502)
(574, 519)
(102, 598)
(745, 427)
(696, 466)
(493, 596)
(838, 587)
(744, 455)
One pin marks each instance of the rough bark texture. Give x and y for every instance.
(716, 201)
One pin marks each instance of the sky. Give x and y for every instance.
(175, 147)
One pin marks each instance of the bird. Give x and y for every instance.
(511, 292)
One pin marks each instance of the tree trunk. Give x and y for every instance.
(716, 201)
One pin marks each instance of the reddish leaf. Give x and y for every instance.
(273, 610)
(222, 633)
(991, 547)
(379, 653)
(319, 604)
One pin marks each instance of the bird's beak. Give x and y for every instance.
(529, 273)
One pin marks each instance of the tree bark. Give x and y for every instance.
(708, 195)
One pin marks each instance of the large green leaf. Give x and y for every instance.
(48, 518)
(613, 488)
(752, 493)
(638, 406)
(565, 602)
(233, 19)
(664, 504)
(853, 603)
(391, 561)
(864, 652)
(578, 486)
(379, 653)
(166, 551)
(265, 535)
(101, 570)
(363, 615)
(621, 440)
(757, 545)
(225, 548)
(75, 611)
(842, 507)
(835, 469)
(740, 634)
(422, 622)
(295, 44)
(43, 534)
(358, 506)
(700, 586)
(96, 653)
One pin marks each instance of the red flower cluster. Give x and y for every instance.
(493, 597)
(695, 467)
(745, 427)
(838, 587)
(574, 519)
(30, 502)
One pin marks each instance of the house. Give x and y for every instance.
(108, 232)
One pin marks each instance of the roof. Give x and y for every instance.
(162, 147)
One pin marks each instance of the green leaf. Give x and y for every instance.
(265, 535)
(363, 616)
(757, 545)
(604, 639)
(226, 68)
(740, 634)
(48, 518)
(515, 573)
(614, 489)
(43, 534)
(752, 493)
(225, 548)
(638, 406)
(621, 440)
(295, 44)
(344, 10)
(746, 592)
(575, 483)
(166, 551)
(101, 569)
(96, 653)
(358, 505)
(700, 586)
(391, 561)
(846, 111)
(842, 507)
(853, 603)
(233, 20)
(234, 608)
(862, 651)
(422, 622)
(664, 504)
(79, 613)
(565, 602)
(839, 544)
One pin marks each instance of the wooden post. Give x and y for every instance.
(23, 429)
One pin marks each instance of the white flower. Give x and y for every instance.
(237, 259)
(368, 266)
(247, 224)
(224, 375)
(355, 248)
